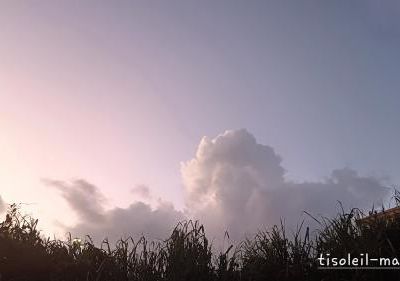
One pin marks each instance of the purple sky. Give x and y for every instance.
(120, 94)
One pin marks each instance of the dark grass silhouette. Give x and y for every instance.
(187, 254)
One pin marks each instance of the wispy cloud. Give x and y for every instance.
(84, 198)
(139, 218)
(142, 191)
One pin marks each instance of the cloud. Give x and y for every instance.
(139, 218)
(2, 205)
(235, 184)
(84, 198)
(142, 191)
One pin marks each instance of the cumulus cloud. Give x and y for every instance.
(137, 219)
(235, 184)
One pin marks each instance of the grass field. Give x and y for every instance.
(187, 254)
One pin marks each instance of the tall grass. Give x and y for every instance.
(187, 255)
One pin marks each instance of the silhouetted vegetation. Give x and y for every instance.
(187, 254)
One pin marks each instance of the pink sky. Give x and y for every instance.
(120, 94)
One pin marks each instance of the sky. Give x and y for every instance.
(250, 110)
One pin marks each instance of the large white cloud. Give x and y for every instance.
(235, 184)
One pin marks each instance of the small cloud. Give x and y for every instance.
(83, 197)
(142, 191)
(2, 205)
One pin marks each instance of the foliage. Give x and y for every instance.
(187, 255)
